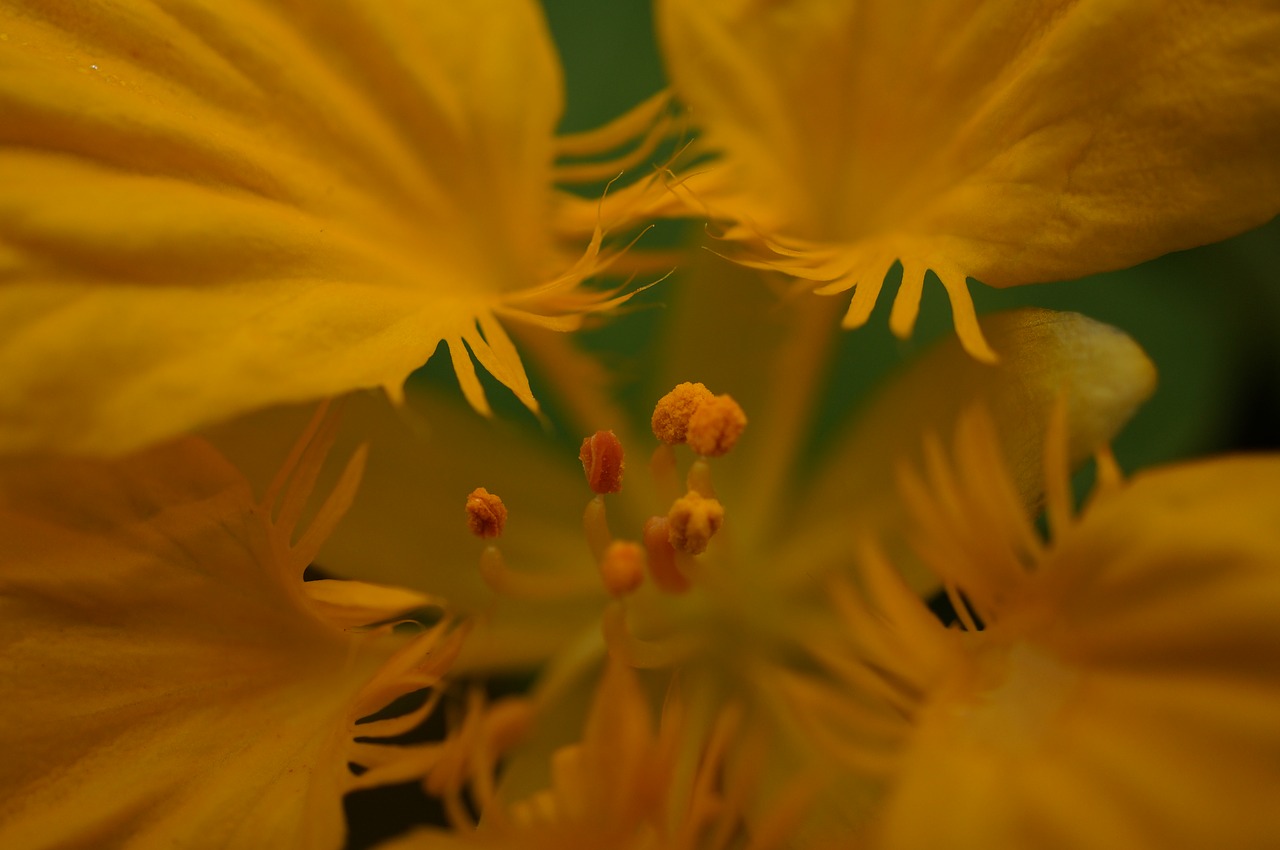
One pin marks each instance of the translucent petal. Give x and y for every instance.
(1102, 374)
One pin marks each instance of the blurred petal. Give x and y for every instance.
(1130, 685)
(1099, 371)
(169, 682)
(624, 784)
(210, 208)
(350, 604)
(1008, 142)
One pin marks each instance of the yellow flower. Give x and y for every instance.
(1009, 142)
(215, 208)
(756, 600)
(1113, 687)
(170, 680)
(211, 207)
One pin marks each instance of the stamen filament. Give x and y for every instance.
(506, 582)
(456, 812)
(664, 561)
(662, 469)
(699, 479)
(595, 525)
(962, 610)
(1109, 475)
(637, 652)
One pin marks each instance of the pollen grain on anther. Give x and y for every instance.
(671, 414)
(715, 426)
(486, 515)
(692, 521)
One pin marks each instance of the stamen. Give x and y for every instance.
(595, 525)
(692, 521)
(602, 461)
(638, 652)
(961, 607)
(1110, 478)
(715, 426)
(622, 567)
(699, 479)
(486, 515)
(663, 564)
(671, 414)
(505, 581)
(662, 469)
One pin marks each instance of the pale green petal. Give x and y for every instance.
(1097, 370)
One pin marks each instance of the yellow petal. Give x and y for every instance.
(168, 682)
(209, 208)
(1176, 571)
(1141, 681)
(1102, 374)
(1009, 142)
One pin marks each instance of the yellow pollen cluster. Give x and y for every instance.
(709, 424)
(692, 521)
(486, 515)
(602, 461)
(715, 426)
(671, 414)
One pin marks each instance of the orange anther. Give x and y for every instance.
(622, 568)
(671, 414)
(692, 521)
(602, 461)
(486, 515)
(715, 426)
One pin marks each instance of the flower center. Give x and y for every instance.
(676, 592)
(686, 603)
